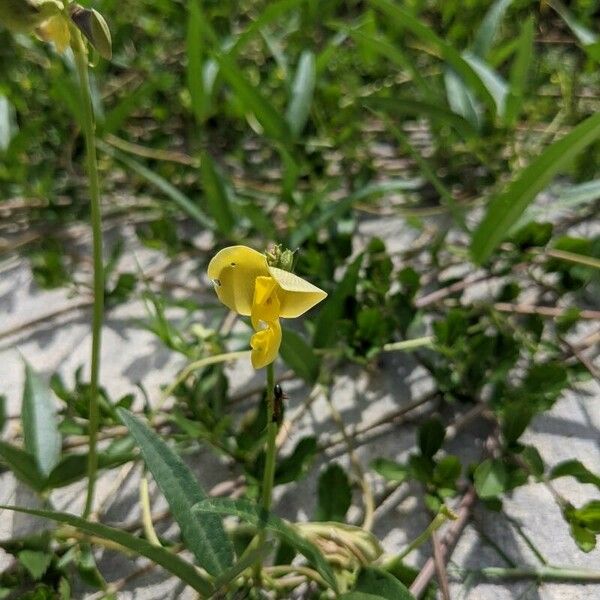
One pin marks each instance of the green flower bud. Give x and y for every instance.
(282, 259)
(94, 27)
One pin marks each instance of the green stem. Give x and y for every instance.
(543, 573)
(81, 61)
(269, 473)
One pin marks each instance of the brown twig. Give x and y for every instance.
(544, 311)
(440, 566)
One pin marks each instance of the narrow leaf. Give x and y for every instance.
(484, 38)
(22, 464)
(576, 469)
(302, 93)
(170, 562)
(216, 194)
(504, 210)
(299, 356)
(256, 516)
(205, 537)
(252, 100)
(518, 72)
(181, 200)
(195, 42)
(40, 427)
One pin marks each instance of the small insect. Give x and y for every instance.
(278, 397)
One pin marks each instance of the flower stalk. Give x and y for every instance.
(81, 62)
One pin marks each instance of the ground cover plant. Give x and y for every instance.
(342, 185)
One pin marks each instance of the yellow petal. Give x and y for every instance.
(296, 294)
(55, 29)
(234, 270)
(265, 345)
(265, 305)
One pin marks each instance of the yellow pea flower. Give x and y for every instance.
(248, 285)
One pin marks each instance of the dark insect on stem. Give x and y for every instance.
(278, 398)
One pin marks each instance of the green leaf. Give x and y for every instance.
(382, 584)
(252, 100)
(504, 210)
(436, 113)
(204, 537)
(2, 412)
(256, 516)
(359, 596)
(431, 437)
(515, 419)
(576, 469)
(297, 464)
(217, 195)
(327, 322)
(461, 99)
(22, 464)
(181, 200)
(518, 72)
(195, 46)
(35, 562)
(8, 125)
(303, 89)
(334, 494)
(247, 560)
(40, 427)
(490, 479)
(299, 356)
(484, 37)
(171, 562)
(390, 469)
(589, 40)
(73, 467)
(492, 81)
(404, 19)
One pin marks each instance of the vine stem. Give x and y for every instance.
(81, 61)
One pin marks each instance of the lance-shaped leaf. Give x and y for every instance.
(205, 536)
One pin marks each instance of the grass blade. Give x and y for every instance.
(216, 194)
(170, 562)
(492, 81)
(181, 200)
(302, 93)
(484, 38)
(252, 100)
(40, 428)
(505, 209)
(518, 72)
(255, 515)
(205, 537)
(403, 19)
(195, 48)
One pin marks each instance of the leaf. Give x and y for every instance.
(170, 562)
(484, 37)
(8, 126)
(334, 494)
(252, 100)
(403, 19)
(302, 93)
(40, 427)
(217, 195)
(181, 200)
(256, 516)
(504, 210)
(35, 562)
(247, 560)
(382, 584)
(418, 108)
(492, 81)
(327, 321)
(2, 412)
(73, 467)
(431, 437)
(518, 72)
(390, 469)
(297, 464)
(589, 40)
(204, 537)
(22, 464)
(195, 46)
(461, 99)
(299, 356)
(576, 469)
(490, 479)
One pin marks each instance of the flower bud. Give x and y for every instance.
(94, 27)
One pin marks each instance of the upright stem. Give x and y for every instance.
(81, 61)
(269, 473)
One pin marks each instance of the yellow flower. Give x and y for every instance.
(248, 285)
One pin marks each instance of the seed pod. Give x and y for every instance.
(94, 27)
